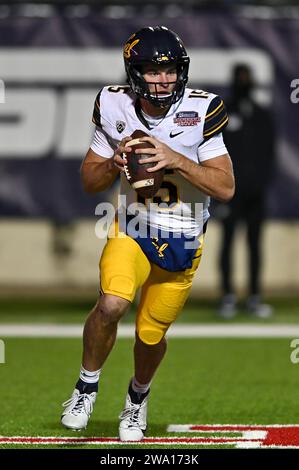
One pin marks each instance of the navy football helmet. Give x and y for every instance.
(155, 45)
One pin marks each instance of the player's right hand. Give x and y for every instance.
(118, 157)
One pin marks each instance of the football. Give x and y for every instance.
(146, 184)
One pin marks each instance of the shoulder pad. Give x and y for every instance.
(96, 117)
(216, 118)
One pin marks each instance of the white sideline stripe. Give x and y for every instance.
(249, 435)
(251, 439)
(51, 330)
(248, 445)
(115, 441)
(217, 427)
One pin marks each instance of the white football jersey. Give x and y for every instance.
(191, 127)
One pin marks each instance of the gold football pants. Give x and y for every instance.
(124, 268)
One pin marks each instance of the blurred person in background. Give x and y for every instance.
(249, 138)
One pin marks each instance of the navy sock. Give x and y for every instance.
(85, 387)
(136, 397)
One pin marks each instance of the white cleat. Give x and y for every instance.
(78, 410)
(132, 424)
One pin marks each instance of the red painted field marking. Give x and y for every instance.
(252, 436)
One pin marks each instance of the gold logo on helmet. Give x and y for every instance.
(164, 58)
(128, 48)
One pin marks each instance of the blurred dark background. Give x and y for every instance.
(54, 57)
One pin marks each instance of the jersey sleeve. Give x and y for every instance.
(212, 148)
(216, 118)
(100, 144)
(96, 116)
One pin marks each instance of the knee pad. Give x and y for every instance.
(149, 329)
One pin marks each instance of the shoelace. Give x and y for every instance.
(80, 402)
(132, 413)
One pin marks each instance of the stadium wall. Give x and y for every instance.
(38, 258)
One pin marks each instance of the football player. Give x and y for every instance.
(185, 126)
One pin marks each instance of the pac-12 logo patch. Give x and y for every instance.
(120, 126)
(187, 118)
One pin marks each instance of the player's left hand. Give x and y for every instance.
(161, 153)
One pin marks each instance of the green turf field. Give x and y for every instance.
(74, 311)
(201, 381)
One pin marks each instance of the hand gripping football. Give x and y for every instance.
(146, 184)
